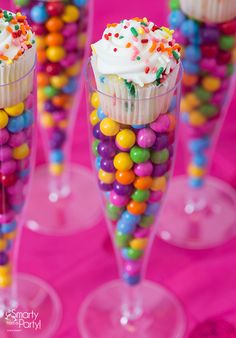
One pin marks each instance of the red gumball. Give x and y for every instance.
(224, 58)
(38, 29)
(8, 180)
(209, 51)
(53, 68)
(55, 8)
(228, 28)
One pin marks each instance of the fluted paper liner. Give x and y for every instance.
(214, 11)
(148, 103)
(16, 80)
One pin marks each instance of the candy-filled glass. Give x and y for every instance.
(20, 293)
(133, 164)
(63, 30)
(202, 214)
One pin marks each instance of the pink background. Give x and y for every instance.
(204, 281)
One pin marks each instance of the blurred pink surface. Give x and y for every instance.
(204, 281)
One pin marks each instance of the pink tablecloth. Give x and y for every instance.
(204, 281)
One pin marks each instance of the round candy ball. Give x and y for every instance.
(55, 54)
(123, 162)
(109, 127)
(125, 139)
(15, 110)
(71, 14)
(139, 155)
(3, 119)
(55, 8)
(146, 138)
(39, 14)
(22, 3)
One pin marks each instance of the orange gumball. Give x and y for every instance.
(143, 183)
(125, 177)
(42, 79)
(60, 100)
(54, 39)
(172, 119)
(136, 208)
(54, 24)
(190, 79)
(41, 56)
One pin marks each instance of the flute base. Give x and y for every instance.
(202, 223)
(76, 208)
(162, 316)
(37, 312)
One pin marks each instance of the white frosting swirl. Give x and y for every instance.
(135, 50)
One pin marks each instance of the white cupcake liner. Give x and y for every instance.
(214, 11)
(16, 79)
(148, 103)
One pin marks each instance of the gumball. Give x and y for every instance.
(55, 54)
(20, 152)
(143, 169)
(125, 228)
(56, 156)
(107, 165)
(80, 3)
(193, 53)
(190, 67)
(129, 218)
(122, 239)
(161, 169)
(8, 180)
(227, 42)
(3, 119)
(146, 138)
(15, 124)
(190, 28)
(104, 186)
(94, 119)
(228, 27)
(15, 110)
(53, 68)
(22, 3)
(139, 155)
(54, 39)
(106, 149)
(121, 189)
(97, 132)
(55, 8)
(101, 114)
(109, 127)
(138, 243)
(146, 221)
(161, 142)
(161, 124)
(95, 101)
(39, 14)
(143, 183)
(71, 14)
(118, 200)
(123, 162)
(176, 18)
(56, 169)
(125, 139)
(159, 184)
(140, 195)
(160, 156)
(70, 87)
(125, 177)
(136, 208)
(54, 24)
(106, 177)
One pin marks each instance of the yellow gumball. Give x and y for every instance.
(3, 245)
(159, 184)
(40, 42)
(3, 119)
(56, 169)
(75, 69)
(55, 54)
(125, 139)
(123, 162)
(15, 110)
(5, 281)
(196, 118)
(211, 83)
(5, 269)
(95, 101)
(59, 81)
(47, 120)
(109, 127)
(106, 177)
(192, 100)
(196, 171)
(71, 14)
(41, 95)
(21, 152)
(184, 106)
(94, 119)
(138, 243)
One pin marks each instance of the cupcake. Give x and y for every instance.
(17, 58)
(136, 62)
(215, 11)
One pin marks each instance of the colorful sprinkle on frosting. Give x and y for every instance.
(145, 54)
(16, 36)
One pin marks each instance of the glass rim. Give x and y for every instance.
(21, 78)
(179, 79)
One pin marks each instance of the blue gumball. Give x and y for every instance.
(199, 145)
(176, 18)
(193, 53)
(190, 28)
(130, 219)
(39, 14)
(98, 162)
(152, 209)
(190, 67)
(70, 87)
(101, 114)
(138, 126)
(8, 227)
(28, 118)
(131, 280)
(80, 3)
(16, 124)
(57, 156)
(200, 160)
(125, 228)
(196, 182)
